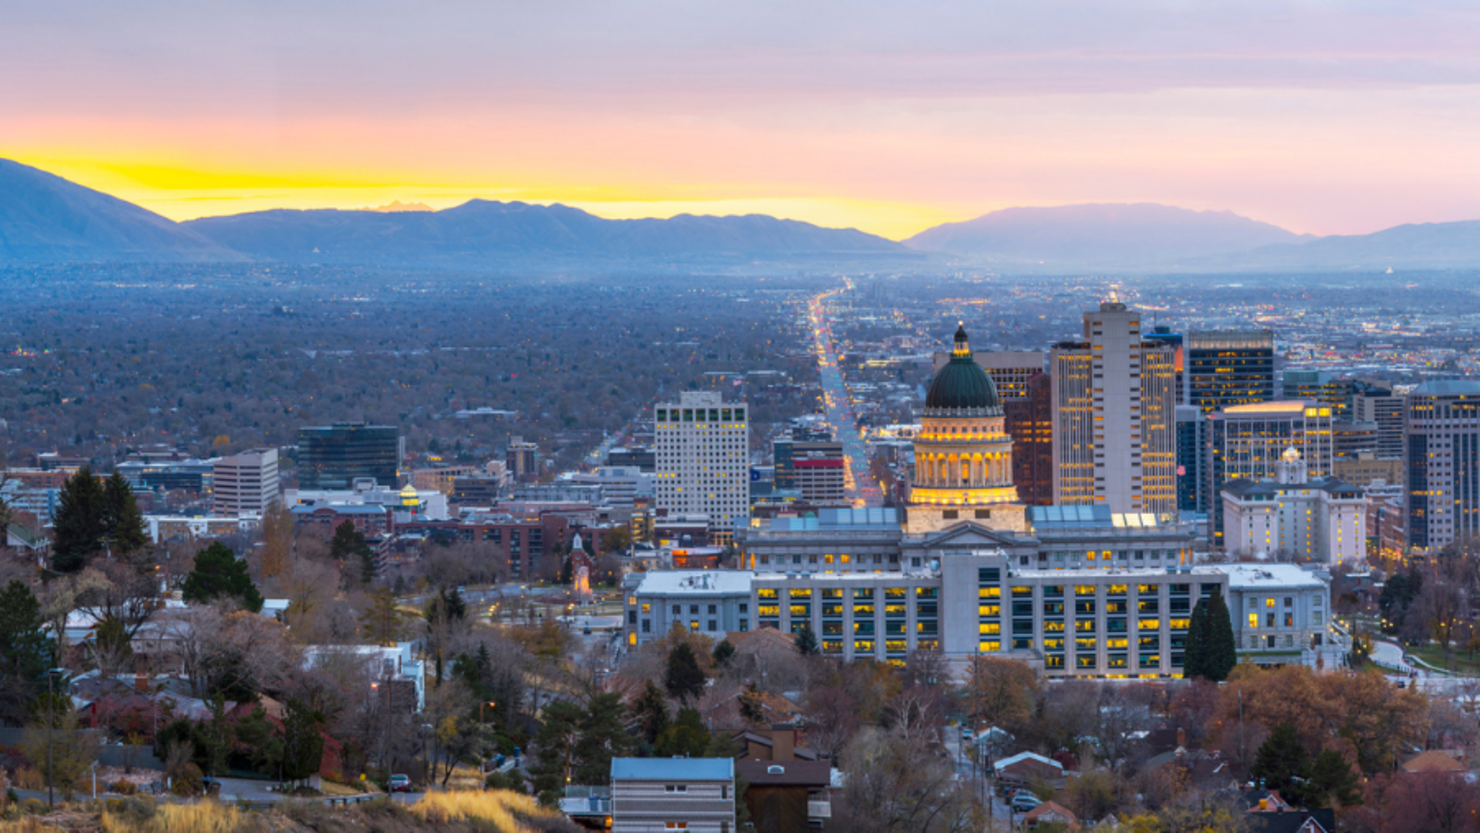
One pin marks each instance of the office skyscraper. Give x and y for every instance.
(335, 456)
(1234, 367)
(1249, 441)
(1380, 405)
(703, 466)
(1442, 459)
(245, 483)
(1115, 431)
(1029, 421)
(1192, 424)
(522, 460)
(1332, 391)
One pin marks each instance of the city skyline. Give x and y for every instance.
(1320, 120)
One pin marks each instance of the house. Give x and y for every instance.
(1024, 767)
(692, 794)
(1434, 760)
(393, 664)
(1050, 812)
(779, 743)
(1291, 821)
(788, 786)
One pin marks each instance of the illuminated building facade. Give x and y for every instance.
(1442, 459)
(1114, 400)
(703, 460)
(1248, 441)
(1229, 368)
(1294, 515)
(963, 455)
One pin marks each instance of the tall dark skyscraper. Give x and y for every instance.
(335, 456)
(1229, 368)
(1442, 460)
(1192, 455)
(1029, 421)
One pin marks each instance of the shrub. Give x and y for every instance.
(27, 778)
(34, 806)
(124, 788)
(188, 782)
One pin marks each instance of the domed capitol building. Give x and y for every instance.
(965, 568)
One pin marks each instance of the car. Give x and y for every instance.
(1025, 802)
(400, 784)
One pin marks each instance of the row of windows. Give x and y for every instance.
(701, 414)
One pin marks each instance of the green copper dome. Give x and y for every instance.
(962, 388)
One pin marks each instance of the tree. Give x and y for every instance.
(686, 738)
(1331, 781)
(683, 678)
(26, 651)
(277, 539)
(555, 749)
(219, 574)
(112, 650)
(73, 749)
(382, 620)
(1211, 650)
(349, 545)
(603, 737)
(806, 642)
(753, 704)
(650, 711)
(723, 653)
(1282, 762)
(79, 521)
(303, 742)
(1001, 691)
(616, 539)
(123, 523)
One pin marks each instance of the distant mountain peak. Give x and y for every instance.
(1101, 233)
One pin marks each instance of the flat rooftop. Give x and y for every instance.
(1255, 576)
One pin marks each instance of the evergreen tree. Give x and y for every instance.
(123, 523)
(806, 641)
(603, 737)
(349, 545)
(381, 619)
(651, 713)
(1222, 650)
(555, 749)
(26, 651)
(219, 574)
(1282, 761)
(1195, 662)
(683, 678)
(723, 653)
(79, 522)
(686, 738)
(1211, 650)
(303, 743)
(1332, 781)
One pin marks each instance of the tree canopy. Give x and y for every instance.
(219, 574)
(683, 678)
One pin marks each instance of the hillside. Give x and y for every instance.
(480, 230)
(44, 218)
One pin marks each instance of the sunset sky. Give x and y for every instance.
(1343, 116)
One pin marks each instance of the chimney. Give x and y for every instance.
(783, 742)
(1181, 736)
(141, 683)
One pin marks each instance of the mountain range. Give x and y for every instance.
(44, 218)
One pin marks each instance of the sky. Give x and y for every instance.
(1331, 117)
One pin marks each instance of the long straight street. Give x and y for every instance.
(861, 488)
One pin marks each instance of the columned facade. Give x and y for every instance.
(963, 455)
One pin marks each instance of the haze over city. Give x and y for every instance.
(740, 418)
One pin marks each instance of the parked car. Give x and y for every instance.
(1025, 802)
(400, 783)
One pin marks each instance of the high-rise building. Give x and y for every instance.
(963, 456)
(522, 460)
(246, 483)
(1320, 385)
(1442, 459)
(1248, 441)
(1228, 368)
(1349, 438)
(1371, 403)
(1114, 400)
(821, 479)
(786, 450)
(1009, 370)
(1192, 425)
(335, 456)
(703, 448)
(1029, 421)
